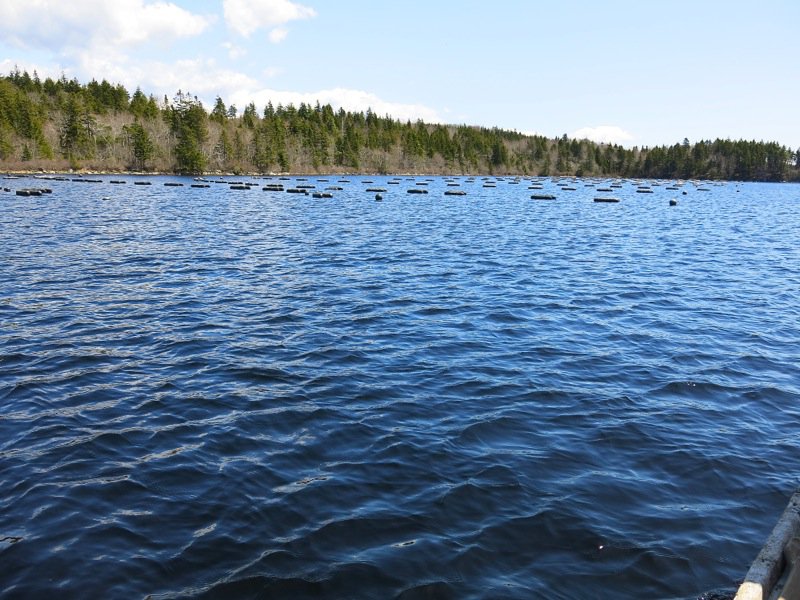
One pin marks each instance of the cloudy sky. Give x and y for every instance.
(628, 71)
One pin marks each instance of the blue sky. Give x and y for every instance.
(633, 72)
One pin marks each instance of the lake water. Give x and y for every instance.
(216, 393)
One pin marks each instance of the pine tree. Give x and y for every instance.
(77, 131)
(219, 113)
(142, 147)
(188, 123)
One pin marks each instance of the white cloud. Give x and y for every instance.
(349, 99)
(138, 22)
(8, 64)
(59, 25)
(605, 134)
(234, 52)
(96, 39)
(93, 38)
(203, 78)
(246, 16)
(532, 133)
(277, 35)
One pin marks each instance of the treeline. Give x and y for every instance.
(63, 124)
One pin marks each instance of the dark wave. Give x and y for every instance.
(257, 396)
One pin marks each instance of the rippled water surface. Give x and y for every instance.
(216, 393)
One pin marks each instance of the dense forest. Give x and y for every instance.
(62, 124)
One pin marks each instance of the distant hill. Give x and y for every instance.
(62, 124)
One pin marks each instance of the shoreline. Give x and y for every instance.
(41, 173)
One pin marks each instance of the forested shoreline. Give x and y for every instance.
(58, 125)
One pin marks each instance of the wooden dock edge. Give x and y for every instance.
(770, 563)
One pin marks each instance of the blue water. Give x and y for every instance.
(214, 393)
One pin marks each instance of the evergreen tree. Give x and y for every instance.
(499, 154)
(219, 113)
(223, 150)
(249, 117)
(77, 133)
(188, 123)
(78, 119)
(143, 107)
(6, 147)
(142, 147)
(262, 154)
